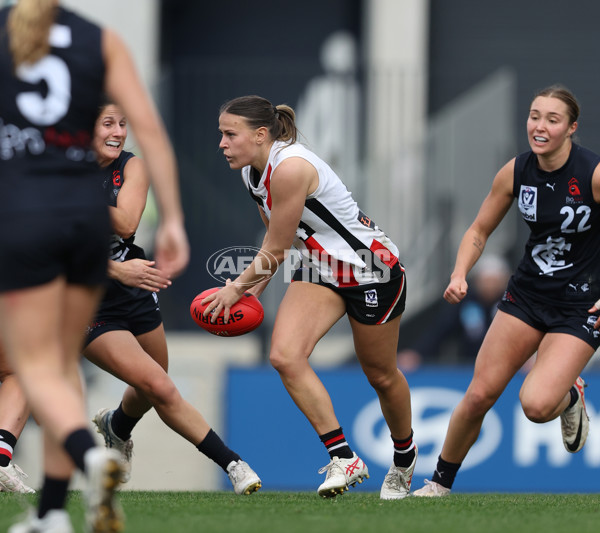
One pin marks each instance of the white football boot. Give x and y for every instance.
(342, 474)
(12, 479)
(396, 484)
(54, 521)
(103, 421)
(431, 489)
(103, 469)
(243, 478)
(575, 422)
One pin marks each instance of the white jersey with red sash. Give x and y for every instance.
(334, 235)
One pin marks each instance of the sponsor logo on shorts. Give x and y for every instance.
(95, 325)
(589, 326)
(578, 287)
(371, 298)
(508, 297)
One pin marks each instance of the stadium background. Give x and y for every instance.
(417, 103)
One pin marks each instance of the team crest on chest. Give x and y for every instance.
(116, 178)
(528, 202)
(574, 196)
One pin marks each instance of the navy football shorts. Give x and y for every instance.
(138, 315)
(38, 247)
(574, 321)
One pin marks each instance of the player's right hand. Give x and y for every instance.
(139, 273)
(172, 249)
(456, 290)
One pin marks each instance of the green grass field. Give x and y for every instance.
(304, 512)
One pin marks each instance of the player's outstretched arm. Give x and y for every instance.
(124, 86)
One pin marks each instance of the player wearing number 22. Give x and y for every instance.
(350, 267)
(54, 231)
(549, 304)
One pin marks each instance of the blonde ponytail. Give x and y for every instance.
(29, 23)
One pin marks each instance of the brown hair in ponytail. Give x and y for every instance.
(279, 120)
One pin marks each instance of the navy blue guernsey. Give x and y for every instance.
(47, 114)
(561, 264)
(120, 249)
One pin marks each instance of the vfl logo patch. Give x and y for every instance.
(589, 327)
(371, 298)
(528, 202)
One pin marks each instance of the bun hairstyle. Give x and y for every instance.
(29, 23)
(279, 120)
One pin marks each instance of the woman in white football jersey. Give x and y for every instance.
(349, 267)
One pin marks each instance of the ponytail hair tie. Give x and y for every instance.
(275, 111)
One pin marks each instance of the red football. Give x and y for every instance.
(245, 315)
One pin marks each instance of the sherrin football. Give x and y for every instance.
(245, 315)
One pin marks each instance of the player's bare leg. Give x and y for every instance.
(507, 346)
(306, 313)
(376, 347)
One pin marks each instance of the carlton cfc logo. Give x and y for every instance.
(116, 178)
(574, 187)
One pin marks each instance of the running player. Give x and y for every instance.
(127, 337)
(13, 416)
(351, 267)
(54, 227)
(548, 306)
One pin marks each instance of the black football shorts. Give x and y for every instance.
(574, 321)
(375, 303)
(38, 247)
